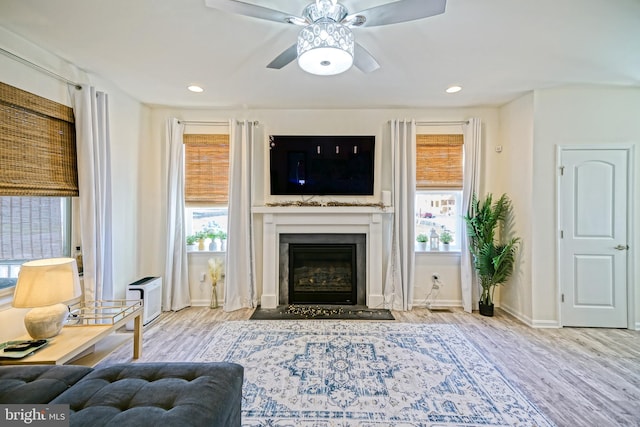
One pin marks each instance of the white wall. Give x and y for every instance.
(129, 127)
(514, 165)
(370, 122)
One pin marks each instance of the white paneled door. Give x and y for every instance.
(593, 256)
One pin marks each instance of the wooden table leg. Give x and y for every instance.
(137, 336)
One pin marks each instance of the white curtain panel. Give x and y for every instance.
(175, 289)
(239, 283)
(471, 186)
(398, 288)
(91, 110)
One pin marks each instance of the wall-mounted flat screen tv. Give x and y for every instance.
(322, 165)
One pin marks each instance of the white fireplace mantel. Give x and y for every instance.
(322, 219)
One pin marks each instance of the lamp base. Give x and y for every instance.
(45, 322)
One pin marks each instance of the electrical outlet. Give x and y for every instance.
(203, 277)
(435, 277)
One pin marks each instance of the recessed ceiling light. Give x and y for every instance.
(453, 89)
(194, 88)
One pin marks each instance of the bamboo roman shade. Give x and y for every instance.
(37, 146)
(439, 161)
(206, 169)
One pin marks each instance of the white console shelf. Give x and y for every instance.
(278, 220)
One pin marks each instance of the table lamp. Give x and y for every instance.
(44, 285)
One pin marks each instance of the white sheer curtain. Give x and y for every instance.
(91, 110)
(471, 186)
(175, 289)
(398, 290)
(239, 283)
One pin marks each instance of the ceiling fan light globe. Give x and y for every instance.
(325, 61)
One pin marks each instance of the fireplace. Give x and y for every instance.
(322, 274)
(322, 268)
(281, 225)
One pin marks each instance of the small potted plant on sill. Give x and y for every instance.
(422, 241)
(223, 240)
(200, 237)
(191, 243)
(494, 254)
(446, 238)
(213, 244)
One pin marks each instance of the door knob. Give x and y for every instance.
(622, 247)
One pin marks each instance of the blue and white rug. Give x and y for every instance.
(336, 373)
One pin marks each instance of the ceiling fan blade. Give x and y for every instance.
(396, 12)
(364, 60)
(252, 10)
(284, 58)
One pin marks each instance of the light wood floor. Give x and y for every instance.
(576, 376)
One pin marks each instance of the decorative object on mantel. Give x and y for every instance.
(326, 204)
(215, 273)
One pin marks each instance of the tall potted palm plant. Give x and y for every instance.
(493, 254)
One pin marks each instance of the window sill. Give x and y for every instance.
(452, 252)
(206, 252)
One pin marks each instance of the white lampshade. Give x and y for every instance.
(47, 281)
(44, 284)
(325, 48)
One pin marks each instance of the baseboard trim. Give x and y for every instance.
(439, 303)
(540, 324)
(202, 303)
(546, 324)
(521, 317)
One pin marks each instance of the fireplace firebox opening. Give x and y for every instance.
(322, 274)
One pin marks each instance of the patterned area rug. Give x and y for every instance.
(332, 373)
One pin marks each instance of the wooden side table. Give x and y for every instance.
(95, 321)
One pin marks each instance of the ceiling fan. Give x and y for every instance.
(326, 45)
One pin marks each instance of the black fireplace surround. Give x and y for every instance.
(322, 269)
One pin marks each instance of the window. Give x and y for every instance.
(32, 228)
(37, 180)
(439, 186)
(439, 210)
(206, 183)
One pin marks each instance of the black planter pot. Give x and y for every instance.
(486, 309)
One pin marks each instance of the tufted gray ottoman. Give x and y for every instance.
(37, 384)
(157, 394)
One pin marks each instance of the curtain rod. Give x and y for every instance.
(39, 68)
(211, 123)
(443, 123)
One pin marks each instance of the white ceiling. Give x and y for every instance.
(496, 49)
